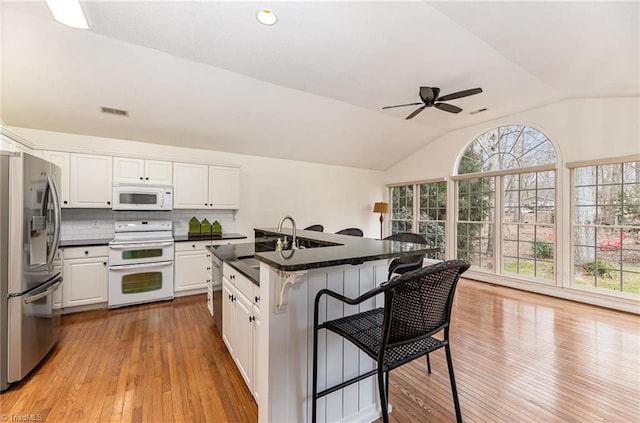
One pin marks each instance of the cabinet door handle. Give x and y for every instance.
(104, 263)
(257, 298)
(108, 202)
(141, 178)
(252, 318)
(147, 178)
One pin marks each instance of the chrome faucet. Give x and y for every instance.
(294, 243)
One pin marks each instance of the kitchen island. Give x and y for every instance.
(286, 287)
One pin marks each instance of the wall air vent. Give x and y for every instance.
(117, 112)
(484, 109)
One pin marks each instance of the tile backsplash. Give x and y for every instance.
(78, 224)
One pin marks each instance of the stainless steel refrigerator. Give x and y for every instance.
(29, 238)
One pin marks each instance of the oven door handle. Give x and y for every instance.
(139, 246)
(141, 266)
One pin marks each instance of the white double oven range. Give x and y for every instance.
(141, 262)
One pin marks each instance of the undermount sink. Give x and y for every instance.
(250, 261)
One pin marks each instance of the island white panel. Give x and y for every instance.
(286, 370)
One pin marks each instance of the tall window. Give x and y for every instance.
(427, 216)
(476, 223)
(402, 209)
(505, 192)
(606, 226)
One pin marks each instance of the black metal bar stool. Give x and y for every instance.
(417, 305)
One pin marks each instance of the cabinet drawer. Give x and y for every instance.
(191, 245)
(84, 252)
(241, 282)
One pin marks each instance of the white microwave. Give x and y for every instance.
(142, 197)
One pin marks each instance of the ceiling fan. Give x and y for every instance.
(429, 97)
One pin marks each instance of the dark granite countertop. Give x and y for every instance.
(84, 242)
(181, 238)
(230, 253)
(352, 250)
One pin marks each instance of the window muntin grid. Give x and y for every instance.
(505, 148)
(510, 153)
(475, 224)
(528, 223)
(606, 224)
(427, 214)
(432, 215)
(402, 209)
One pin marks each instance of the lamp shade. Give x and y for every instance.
(381, 208)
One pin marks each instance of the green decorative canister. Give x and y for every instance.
(216, 228)
(194, 226)
(205, 228)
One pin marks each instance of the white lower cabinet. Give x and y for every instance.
(240, 327)
(192, 267)
(191, 261)
(85, 274)
(256, 351)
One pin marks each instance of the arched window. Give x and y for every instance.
(507, 148)
(505, 188)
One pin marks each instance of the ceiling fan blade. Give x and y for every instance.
(460, 94)
(415, 112)
(402, 105)
(448, 107)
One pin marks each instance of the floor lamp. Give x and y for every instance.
(381, 208)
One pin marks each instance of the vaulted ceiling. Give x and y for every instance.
(206, 74)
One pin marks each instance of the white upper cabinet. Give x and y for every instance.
(205, 187)
(137, 171)
(61, 159)
(191, 187)
(90, 181)
(224, 187)
(158, 172)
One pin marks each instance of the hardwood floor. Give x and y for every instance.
(518, 357)
(162, 362)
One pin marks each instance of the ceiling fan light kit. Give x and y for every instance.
(430, 97)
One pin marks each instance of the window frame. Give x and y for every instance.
(572, 167)
(498, 218)
(416, 221)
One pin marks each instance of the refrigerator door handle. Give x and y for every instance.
(46, 292)
(57, 220)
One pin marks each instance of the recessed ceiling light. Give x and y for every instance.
(266, 17)
(68, 12)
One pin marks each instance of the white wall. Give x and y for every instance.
(336, 197)
(582, 129)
